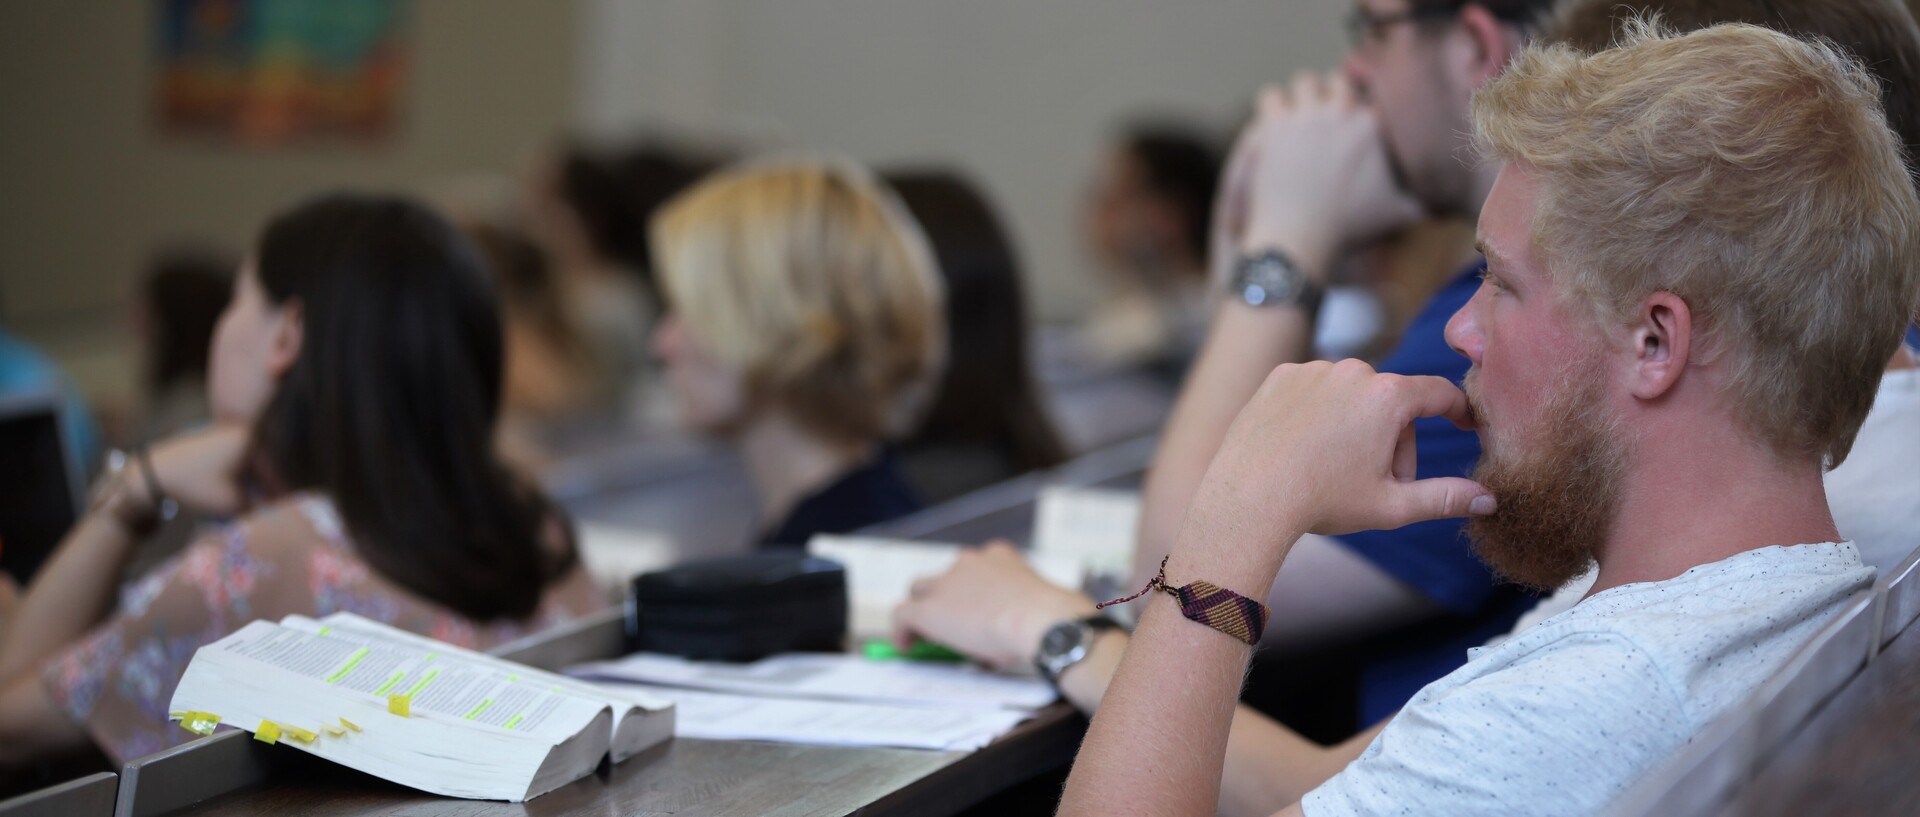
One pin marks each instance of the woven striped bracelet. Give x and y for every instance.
(1212, 605)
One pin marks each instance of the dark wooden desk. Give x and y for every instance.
(1859, 755)
(701, 778)
(688, 776)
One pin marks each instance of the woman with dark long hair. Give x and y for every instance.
(987, 422)
(355, 384)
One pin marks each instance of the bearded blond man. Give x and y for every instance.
(1701, 255)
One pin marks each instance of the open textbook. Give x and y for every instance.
(411, 710)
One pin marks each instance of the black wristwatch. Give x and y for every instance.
(1270, 278)
(1066, 643)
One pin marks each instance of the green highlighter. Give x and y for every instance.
(880, 649)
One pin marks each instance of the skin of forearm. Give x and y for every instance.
(1175, 671)
(73, 592)
(1267, 765)
(1178, 671)
(1244, 344)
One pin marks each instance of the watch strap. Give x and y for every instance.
(1095, 624)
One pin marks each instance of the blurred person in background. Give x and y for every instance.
(24, 369)
(588, 208)
(804, 326)
(1145, 224)
(180, 299)
(355, 385)
(987, 422)
(550, 373)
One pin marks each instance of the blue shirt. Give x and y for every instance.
(25, 369)
(1433, 557)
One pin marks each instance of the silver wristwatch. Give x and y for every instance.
(1067, 643)
(1270, 278)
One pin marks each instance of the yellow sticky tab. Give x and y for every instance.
(332, 730)
(199, 723)
(302, 735)
(400, 705)
(268, 733)
(350, 724)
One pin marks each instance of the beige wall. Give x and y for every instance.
(89, 189)
(1021, 92)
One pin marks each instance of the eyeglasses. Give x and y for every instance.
(1365, 27)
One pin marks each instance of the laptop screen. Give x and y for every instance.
(40, 492)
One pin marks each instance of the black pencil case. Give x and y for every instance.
(741, 608)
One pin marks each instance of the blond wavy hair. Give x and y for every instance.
(807, 275)
(1748, 172)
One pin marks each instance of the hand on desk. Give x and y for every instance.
(990, 606)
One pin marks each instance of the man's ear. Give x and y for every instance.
(288, 337)
(1662, 342)
(1493, 43)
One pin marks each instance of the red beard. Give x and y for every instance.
(1557, 495)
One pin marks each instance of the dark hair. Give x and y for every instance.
(614, 192)
(1521, 14)
(1879, 33)
(529, 290)
(185, 291)
(391, 406)
(987, 394)
(1181, 167)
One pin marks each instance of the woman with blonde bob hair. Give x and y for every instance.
(805, 326)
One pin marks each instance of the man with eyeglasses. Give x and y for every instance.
(1329, 163)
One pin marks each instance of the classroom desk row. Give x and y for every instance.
(665, 487)
(229, 774)
(1856, 756)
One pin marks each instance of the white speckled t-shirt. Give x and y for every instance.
(1562, 718)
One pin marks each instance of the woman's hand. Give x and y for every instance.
(198, 469)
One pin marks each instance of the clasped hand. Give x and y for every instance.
(1328, 448)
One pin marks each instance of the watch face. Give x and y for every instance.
(1060, 640)
(1258, 294)
(1268, 278)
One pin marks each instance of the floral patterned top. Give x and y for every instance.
(290, 557)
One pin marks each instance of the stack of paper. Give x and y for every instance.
(832, 699)
(881, 571)
(724, 716)
(1092, 527)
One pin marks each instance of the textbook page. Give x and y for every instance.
(1092, 526)
(349, 625)
(472, 694)
(640, 720)
(456, 731)
(725, 716)
(881, 571)
(833, 676)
